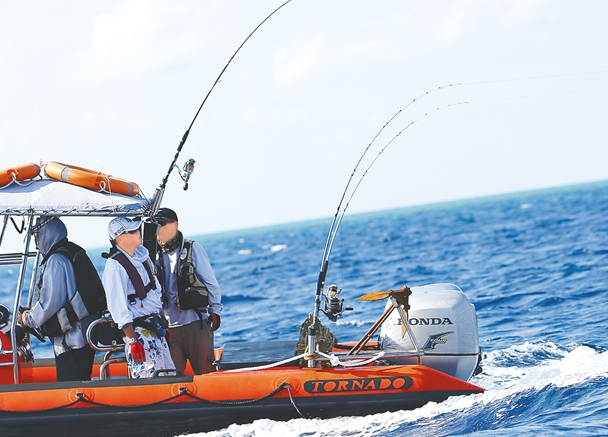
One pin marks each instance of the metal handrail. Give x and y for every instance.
(103, 347)
(22, 271)
(14, 258)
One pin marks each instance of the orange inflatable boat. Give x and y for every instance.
(170, 405)
(428, 350)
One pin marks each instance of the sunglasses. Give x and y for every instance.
(134, 231)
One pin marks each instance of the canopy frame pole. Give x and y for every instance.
(18, 291)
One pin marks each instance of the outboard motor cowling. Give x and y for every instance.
(444, 325)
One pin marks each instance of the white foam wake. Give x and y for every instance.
(506, 373)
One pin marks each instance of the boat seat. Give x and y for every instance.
(237, 355)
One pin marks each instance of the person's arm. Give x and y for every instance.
(135, 347)
(204, 271)
(129, 332)
(114, 280)
(58, 282)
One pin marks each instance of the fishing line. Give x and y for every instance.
(341, 213)
(336, 220)
(333, 224)
(535, 77)
(451, 85)
(531, 96)
(160, 190)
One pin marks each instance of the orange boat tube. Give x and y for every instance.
(93, 180)
(171, 405)
(19, 173)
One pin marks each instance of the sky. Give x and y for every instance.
(113, 86)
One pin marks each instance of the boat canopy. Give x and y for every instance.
(46, 197)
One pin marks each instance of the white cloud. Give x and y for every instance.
(291, 65)
(4, 42)
(360, 49)
(524, 11)
(139, 36)
(452, 27)
(253, 117)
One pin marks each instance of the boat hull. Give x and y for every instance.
(168, 406)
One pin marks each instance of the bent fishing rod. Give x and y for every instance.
(189, 165)
(337, 220)
(335, 223)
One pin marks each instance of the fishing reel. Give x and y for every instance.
(334, 306)
(186, 171)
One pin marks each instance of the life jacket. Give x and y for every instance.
(192, 293)
(141, 290)
(89, 297)
(155, 323)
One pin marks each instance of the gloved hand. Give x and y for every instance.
(20, 314)
(215, 320)
(137, 352)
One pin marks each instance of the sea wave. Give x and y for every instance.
(522, 382)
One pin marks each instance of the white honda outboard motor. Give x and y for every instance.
(444, 325)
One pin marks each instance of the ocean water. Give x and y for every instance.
(535, 265)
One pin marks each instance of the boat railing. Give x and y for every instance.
(104, 336)
(14, 258)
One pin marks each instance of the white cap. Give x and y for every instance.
(120, 225)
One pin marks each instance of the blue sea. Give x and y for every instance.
(534, 264)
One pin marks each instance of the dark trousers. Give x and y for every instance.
(194, 343)
(75, 364)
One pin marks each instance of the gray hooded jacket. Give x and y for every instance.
(58, 284)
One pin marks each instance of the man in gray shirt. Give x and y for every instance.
(191, 295)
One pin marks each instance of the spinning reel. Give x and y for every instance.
(186, 171)
(334, 306)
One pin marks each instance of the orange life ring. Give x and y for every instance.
(19, 173)
(90, 179)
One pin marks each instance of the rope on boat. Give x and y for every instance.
(183, 392)
(267, 366)
(292, 401)
(82, 399)
(60, 407)
(283, 386)
(335, 361)
(16, 182)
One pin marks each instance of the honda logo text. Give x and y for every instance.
(429, 321)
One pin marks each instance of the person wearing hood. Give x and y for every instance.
(57, 285)
(184, 268)
(134, 299)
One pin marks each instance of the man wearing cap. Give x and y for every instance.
(57, 284)
(192, 298)
(134, 299)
